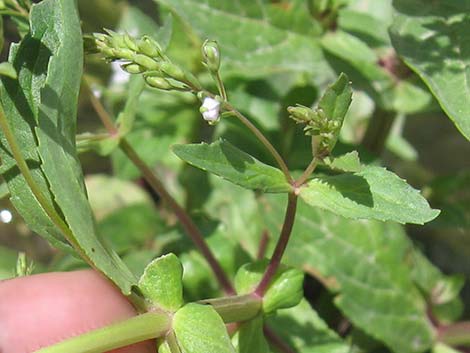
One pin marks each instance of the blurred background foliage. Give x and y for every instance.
(394, 121)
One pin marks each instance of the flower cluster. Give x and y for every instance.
(323, 129)
(145, 56)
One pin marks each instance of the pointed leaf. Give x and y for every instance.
(431, 36)
(227, 161)
(162, 283)
(366, 264)
(285, 289)
(199, 329)
(46, 115)
(373, 193)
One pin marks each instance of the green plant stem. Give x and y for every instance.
(280, 246)
(280, 161)
(186, 221)
(14, 14)
(307, 172)
(236, 308)
(139, 328)
(457, 334)
(220, 86)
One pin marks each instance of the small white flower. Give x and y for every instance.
(210, 110)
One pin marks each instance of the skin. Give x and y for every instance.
(40, 310)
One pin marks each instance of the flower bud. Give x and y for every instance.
(130, 43)
(133, 68)
(158, 82)
(149, 47)
(211, 55)
(301, 114)
(173, 71)
(210, 110)
(123, 53)
(146, 62)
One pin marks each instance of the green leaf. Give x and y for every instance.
(199, 329)
(367, 265)
(162, 284)
(431, 38)
(348, 162)
(126, 117)
(266, 45)
(442, 348)
(305, 331)
(46, 113)
(373, 193)
(285, 289)
(227, 161)
(7, 69)
(250, 337)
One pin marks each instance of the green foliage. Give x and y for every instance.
(372, 192)
(232, 164)
(284, 291)
(162, 284)
(199, 329)
(430, 36)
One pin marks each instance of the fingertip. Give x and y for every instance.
(40, 310)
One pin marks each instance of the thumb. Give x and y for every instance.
(40, 310)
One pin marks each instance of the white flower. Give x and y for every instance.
(210, 110)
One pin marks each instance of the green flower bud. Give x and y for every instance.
(301, 114)
(149, 47)
(117, 41)
(159, 82)
(133, 68)
(211, 55)
(173, 71)
(146, 62)
(130, 43)
(123, 53)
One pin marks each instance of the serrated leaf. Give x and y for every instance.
(305, 331)
(284, 291)
(431, 36)
(199, 329)
(373, 193)
(336, 100)
(227, 161)
(162, 283)
(263, 46)
(366, 263)
(46, 113)
(348, 162)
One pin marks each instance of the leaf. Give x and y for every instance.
(284, 291)
(305, 331)
(46, 114)
(431, 37)
(348, 162)
(366, 264)
(264, 46)
(162, 284)
(126, 117)
(199, 329)
(373, 193)
(227, 161)
(250, 337)
(7, 69)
